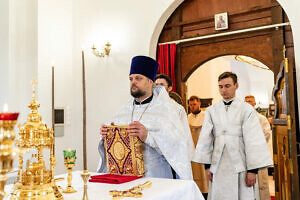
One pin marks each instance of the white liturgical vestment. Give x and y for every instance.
(166, 144)
(196, 119)
(232, 141)
(267, 130)
(261, 188)
(199, 174)
(185, 124)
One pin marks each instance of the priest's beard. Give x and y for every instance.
(138, 93)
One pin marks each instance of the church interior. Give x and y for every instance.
(50, 41)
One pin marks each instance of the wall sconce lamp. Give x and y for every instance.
(105, 51)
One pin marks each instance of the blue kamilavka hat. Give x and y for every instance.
(144, 65)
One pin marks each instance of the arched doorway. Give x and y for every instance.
(195, 18)
(255, 78)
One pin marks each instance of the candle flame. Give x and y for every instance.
(5, 108)
(53, 63)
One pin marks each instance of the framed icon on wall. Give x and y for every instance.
(221, 21)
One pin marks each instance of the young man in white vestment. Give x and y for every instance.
(166, 82)
(263, 192)
(152, 117)
(232, 145)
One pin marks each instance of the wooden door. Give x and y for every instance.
(285, 129)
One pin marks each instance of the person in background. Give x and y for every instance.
(196, 118)
(263, 192)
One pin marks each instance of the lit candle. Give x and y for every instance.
(5, 108)
(84, 112)
(5, 115)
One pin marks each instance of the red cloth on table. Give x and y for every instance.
(112, 178)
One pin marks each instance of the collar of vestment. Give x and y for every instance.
(147, 100)
(197, 112)
(228, 103)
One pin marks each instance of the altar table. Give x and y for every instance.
(161, 189)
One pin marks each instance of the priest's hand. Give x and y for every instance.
(209, 174)
(138, 129)
(104, 129)
(250, 179)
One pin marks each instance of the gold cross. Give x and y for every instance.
(33, 83)
(283, 51)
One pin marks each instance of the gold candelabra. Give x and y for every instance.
(69, 158)
(35, 181)
(7, 151)
(105, 51)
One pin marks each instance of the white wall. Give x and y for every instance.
(60, 28)
(22, 54)
(4, 51)
(18, 53)
(203, 81)
(252, 80)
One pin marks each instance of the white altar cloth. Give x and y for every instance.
(161, 189)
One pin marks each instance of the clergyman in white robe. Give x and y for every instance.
(232, 142)
(166, 143)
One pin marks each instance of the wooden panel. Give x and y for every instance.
(194, 9)
(288, 38)
(295, 136)
(277, 39)
(284, 133)
(282, 156)
(236, 22)
(193, 56)
(196, 17)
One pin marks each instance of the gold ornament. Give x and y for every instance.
(132, 192)
(85, 177)
(124, 153)
(35, 181)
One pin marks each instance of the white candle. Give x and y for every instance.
(5, 108)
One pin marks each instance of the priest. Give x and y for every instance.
(151, 117)
(231, 144)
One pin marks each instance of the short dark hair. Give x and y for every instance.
(192, 98)
(228, 75)
(167, 78)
